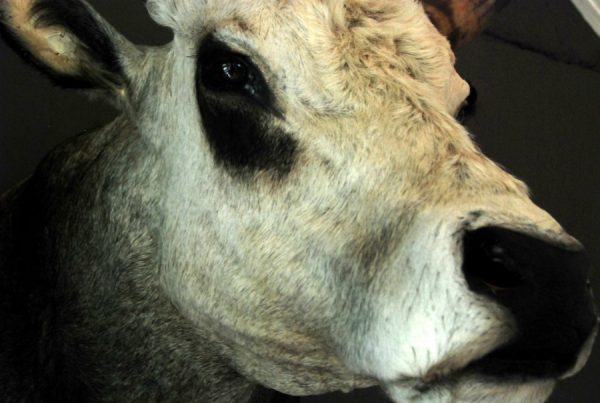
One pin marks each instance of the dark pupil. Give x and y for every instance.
(235, 73)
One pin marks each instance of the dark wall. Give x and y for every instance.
(537, 72)
(537, 69)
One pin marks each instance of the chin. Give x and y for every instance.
(497, 377)
(470, 388)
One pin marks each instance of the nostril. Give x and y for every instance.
(546, 290)
(489, 263)
(498, 273)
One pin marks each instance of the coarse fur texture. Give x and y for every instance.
(296, 222)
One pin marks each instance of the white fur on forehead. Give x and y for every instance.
(179, 14)
(164, 12)
(385, 45)
(380, 44)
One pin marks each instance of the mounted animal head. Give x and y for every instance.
(325, 220)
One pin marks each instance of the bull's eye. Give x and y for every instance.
(234, 72)
(227, 73)
(223, 72)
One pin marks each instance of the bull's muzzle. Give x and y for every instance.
(546, 289)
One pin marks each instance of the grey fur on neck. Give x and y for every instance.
(103, 332)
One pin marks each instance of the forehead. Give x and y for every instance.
(348, 24)
(331, 47)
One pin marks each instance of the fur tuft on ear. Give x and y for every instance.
(66, 39)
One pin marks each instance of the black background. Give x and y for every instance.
(537, 71)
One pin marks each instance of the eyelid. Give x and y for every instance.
(237, 45)
(259, 90)
(245, 48)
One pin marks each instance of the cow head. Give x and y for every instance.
(326, 222)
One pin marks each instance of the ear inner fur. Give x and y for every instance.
(64, 39)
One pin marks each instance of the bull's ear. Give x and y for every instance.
(67, 40)
(461, 20)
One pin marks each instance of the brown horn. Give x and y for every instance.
(461, 20)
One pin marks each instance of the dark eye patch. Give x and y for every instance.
(239, 112)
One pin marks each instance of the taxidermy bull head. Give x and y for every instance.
(285, 200)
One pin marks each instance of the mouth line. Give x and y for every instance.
(489, 368)
(509, 363)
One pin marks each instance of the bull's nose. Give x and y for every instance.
(545, 287)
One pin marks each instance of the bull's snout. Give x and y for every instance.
(546, 289)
